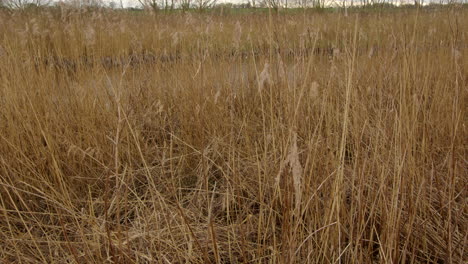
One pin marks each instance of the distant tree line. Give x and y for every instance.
(167, 5)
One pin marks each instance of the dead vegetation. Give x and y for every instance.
(305, 138)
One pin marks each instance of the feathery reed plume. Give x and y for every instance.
(35, 27)
(371, 53)
(264, 77)
(336, 52)
(123, 27)
(281, 70)
(296, 169)
(314, 90)
(216, 96)
(189, 20)
(90, 35)
(237, 35)
(456, 54)
(175, 38)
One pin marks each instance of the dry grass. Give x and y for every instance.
(306, 138)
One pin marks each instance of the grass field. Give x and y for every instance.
(236, 138)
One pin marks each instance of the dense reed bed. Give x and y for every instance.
(248, 138)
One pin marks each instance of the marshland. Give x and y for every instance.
(279, 136)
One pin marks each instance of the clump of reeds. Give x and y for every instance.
(207, 138)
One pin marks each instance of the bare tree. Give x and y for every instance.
(155, 5)
(82, 3)
(185, 4)
(149, 4)
(20, 4)
(112, 5)
(274, 4)
(204, 4)
(319, 3)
